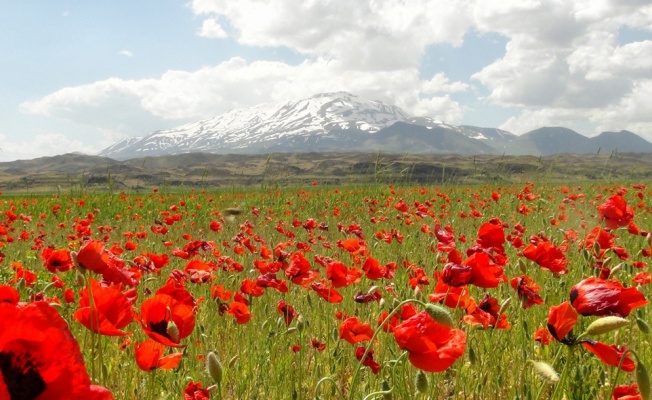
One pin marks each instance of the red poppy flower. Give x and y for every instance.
(527, 290)
(240, 311)
(199, 271)
(477, 270)
(542, 336)
(615, 212)
(547, 255)
(595, 296)
(111, 310)
(340, 275)
(610, 354)
(561, 320)
(287, 311)
(56, 260)
(270, 280)
(317, 344)
(39, 357)
(299, 270)
(323, 289)
(149, 356)
(486, 314)
(642, 278)
(96, 258)
(373, 270)
(626, 392)
(166, 319)
(368, 360)
(354, 331)
(194, 391)
(453, 297)
(9, 295)
(491, 236)
(433, 347)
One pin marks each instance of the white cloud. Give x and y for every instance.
(126, 53)
(211, 28)
(44, 144)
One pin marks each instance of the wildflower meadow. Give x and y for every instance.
(520, 291)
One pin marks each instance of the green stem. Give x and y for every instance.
(562, 380)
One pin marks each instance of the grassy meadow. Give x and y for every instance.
(355, 291)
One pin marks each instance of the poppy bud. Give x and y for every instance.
(472, 358)
(291, 329)
(643, 380)
(545, 371)
(648, 239)
(233, 360)
(381, 303)
(615, 269)
(521, 265)
(79, 279)
(440, 314)
(387, 395)
(372, 289)
(504, 305)
(21, 284)
(309, 300)
(232, 211)
(300, 323)
(421, 382)
(596, 248)
(643, 326)
(173, 332)
(606, 261)
(214, 367)
(418, 294)
(605, 324)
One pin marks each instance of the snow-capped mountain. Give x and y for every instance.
(266, 127)
(340, 122)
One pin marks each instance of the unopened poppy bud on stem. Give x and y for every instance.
(173, 332)
(421, 382)
(605, 324)
(522, 266)
(643, 326)
(300, 323)
(440, 314)
(214, 367)
(643, 380)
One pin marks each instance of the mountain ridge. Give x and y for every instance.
(343, 122)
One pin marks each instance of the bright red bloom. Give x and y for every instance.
(111, 310)
(199, 271)
(299, 270)
(486, 313)
(491, 236)
(547, 255)
(478, 270)
(354, 331)
(166, 319)
(373, 270)
(433, 347)
(194, 391)
(615, 212)
(287, 311)
(96, 258)
(240, 311)
(368, 360)
(323, 289)
(9, 295)
(610, 354)
(595, 296)
(317, 344)
(542, 336)
(149, 356)
(642, 278)
(453, 297)
(527, 290)
(270, 280)
(561, 320)
(340, 275)
(625, 392)
(56, 260)
(39, 357)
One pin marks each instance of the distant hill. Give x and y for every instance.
(343, 122)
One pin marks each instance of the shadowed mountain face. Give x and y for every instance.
(342, 122)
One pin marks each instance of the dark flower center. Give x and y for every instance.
(160, 327)
(21, 376)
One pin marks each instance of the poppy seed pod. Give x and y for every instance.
(440, 315)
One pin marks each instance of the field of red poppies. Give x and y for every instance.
(367, 292)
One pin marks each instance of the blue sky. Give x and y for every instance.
(78, 76)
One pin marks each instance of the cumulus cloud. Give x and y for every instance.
(45, 144)
(563, 63)
(211, 28)
(126, 53)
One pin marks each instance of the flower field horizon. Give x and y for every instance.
(520, 291)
